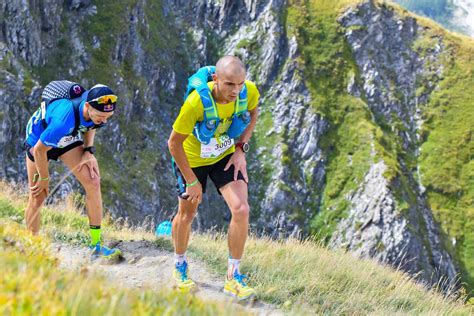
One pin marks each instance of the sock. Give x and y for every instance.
(95, 234)
(232, 267)
(179, 259)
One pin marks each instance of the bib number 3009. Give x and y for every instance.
(216, 148)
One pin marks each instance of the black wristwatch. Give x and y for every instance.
(244, 146)
(90, 149)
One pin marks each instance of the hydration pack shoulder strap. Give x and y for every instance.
(241, 104)
(198, 82)
(210, 108)
(76, 103)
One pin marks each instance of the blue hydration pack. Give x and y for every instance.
(206, 129)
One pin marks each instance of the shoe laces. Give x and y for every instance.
(105, 248)
(97, 246)
(240, 278)
(182, 269)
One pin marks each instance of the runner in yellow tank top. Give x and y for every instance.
(223, 162)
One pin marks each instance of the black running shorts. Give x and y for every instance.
(216, 173)
(54, 153)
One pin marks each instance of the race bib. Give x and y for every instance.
(216, 147)
(68, 140)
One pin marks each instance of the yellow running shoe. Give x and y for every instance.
(238, 288)
(180, 274)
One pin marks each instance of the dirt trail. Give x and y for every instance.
(145, 266)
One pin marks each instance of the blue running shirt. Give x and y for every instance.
(61, 122)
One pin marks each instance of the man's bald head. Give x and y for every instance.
(229, 79)
(230, 65)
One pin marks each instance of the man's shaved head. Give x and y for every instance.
(229, 79)
(230, 65)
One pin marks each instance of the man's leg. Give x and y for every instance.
(32, 212)
(181, 231)
(236, 196)
(72, 159)
(182, 225)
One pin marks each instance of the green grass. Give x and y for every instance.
(31, 283)
(304, 274)
(446, 159)
(298, 277)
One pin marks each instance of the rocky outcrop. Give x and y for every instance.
(14, 113)
(392, 72)
(298, 160)
(382, 45)
(376, 227)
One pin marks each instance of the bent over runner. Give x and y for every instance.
(210, 138)
(54, 132)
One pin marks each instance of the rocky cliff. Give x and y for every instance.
(363, 140)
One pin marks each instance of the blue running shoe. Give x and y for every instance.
(99, 251)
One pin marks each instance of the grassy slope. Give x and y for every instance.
(446, 159)
(298, 276)
(30, 283)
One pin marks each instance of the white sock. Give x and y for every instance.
(232, 266)
(179, 259)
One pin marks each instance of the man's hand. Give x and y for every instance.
(240, 164)
(40, 186)
(89, 160)
(194, 193)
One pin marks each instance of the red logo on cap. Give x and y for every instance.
(108, 107)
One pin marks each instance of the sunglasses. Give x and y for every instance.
(105, 99)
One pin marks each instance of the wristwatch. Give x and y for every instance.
(244, 146)
(90, 149)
